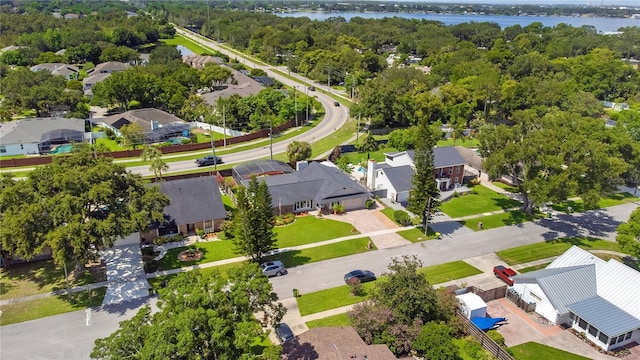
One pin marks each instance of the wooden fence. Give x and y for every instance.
(516, 299)
(487, 343)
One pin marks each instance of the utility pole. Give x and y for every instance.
(295, 104)
(427, 215)
(358, 129)
(213, 149)
(329, 79)
(224, 128)
(270, 138)
(306, 93)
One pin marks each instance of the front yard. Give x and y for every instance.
(513, 217)
(531, 252)
(481, 200)
(310, 229)
(535, 351)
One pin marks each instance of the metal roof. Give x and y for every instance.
(620, 285)
(193, 200)
(575, 256)
(605, 316)
(400, 177)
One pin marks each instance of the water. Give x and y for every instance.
(183, 50)
(601, 24)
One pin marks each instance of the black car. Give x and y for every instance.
(284, 333)
(359, 276)
(335, 103)
(209, 160)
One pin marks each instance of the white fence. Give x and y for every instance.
(217, 129)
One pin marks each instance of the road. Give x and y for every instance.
(67, 336)
(334, 118)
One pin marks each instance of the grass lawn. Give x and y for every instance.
(481, 201)
(498, 220)
(49, 306)
(388, 212)
(509, 188)
(533, 268)
(438, 274)
(468, 143)
(310, 229)
(228, 203)
(531, 252)
(205, 137)
(357, 157)
(334, 320)
(341, 296)
(416, 234)
(535, 351)
(578, 204)
(211, 251)
(36, 278)
(112, 145)
(325, 252)
(179, 40)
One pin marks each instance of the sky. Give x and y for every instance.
(627, 3)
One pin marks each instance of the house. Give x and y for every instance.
(72, 16)
(595, 297)
(315, 186)
(12, 48)
(89, 82)
(395, 174)
(39, 135)
(198, 61)
(108, 68)
(195, 203)
(158, 125)
(69, 72)
(334, 343)
(244, 86)
(615, 106)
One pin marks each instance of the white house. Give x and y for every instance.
(596, 297)
(37, 135)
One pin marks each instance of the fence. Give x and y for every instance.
(516, 299)
(486, 342)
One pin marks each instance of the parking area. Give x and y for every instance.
(524, 327)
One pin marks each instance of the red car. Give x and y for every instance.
(504, 273)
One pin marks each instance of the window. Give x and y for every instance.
(306, 204)
(582, 324)
(457, 169)
(621, 338)
(603, 338)
(614, 340)
(451, 170)
(3, 149)
(592, 330)
(572, 316)
(535, 296)
(628, 336)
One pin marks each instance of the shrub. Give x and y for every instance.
(475, 181)
(497, 337)
(151, 266)
(474, 191)
(166, 143)
(167, 239)
(369, 204)
(134, 104)
(455, 194)
(338, 209)
(186, 141)
(148, 251)
(356, 288)
(285, 219)
(201, 233)
(402, 217)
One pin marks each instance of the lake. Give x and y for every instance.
(183, 50)
(601, 24)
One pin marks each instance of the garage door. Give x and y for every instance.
(353, 204)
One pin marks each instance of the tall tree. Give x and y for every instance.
(157, 163)
(214, 75)
(424, 193)
(132, 135)
(629, 235)
(76, 205)
(253, 221)
(298, 151)
(200, 317)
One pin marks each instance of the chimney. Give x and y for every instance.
(371, 170)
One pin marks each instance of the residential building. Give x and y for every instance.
(395, 174)
(315, 186)
(69, 72)
(595, 297)
(157, 125)
(195, 203)
(615, 106)
(34, 136)
(89, 82)
(108, 67)
(334, 343)
(199, 61)
(242, 86)
(259, 168)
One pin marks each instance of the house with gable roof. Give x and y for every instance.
(394, 175)
(595, 297)
(69, 72)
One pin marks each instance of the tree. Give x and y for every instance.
(132, 135)
(436, 343)
(76, 205)
(253, 221)
(164, 55)
(214, 75)
(157, 163)
(424, 192)
(118, 53)
(629, 235)
(368, 144)
(298, 151)
(200, 317)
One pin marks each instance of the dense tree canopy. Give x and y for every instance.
(75, 205)
(200, 317)
(629, 234)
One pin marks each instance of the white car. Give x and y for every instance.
(273, 268)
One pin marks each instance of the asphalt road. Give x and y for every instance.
(67, 336)
(334, 118)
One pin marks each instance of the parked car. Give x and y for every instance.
(284, 333)
(273, 268)
(504, 273)
(336, 104)
(312, 88)
(359, 276)
(208, 160)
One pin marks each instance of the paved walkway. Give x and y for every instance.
(126, 280)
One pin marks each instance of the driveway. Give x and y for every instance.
(126, 279)
(524, 327)
(367, 221)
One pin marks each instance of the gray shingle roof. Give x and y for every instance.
(142, 117)
(245, 86)
(446, 156)
(30, 130)
(605, 316)
(109, 66)
(400, 177)
(193, 200)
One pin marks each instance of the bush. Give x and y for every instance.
(402, 217)
(167, 239)
(285, 219)
(148, 251)
(497, 337)
(134, 104)
(151, 266)
(356, 288)
(166, 143)
(338, 209)
(186, 141)
(455, 194)
(369, 204)
(201, 233)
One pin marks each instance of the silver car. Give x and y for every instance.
(273, 268)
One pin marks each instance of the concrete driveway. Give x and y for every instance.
(524, 327)
(367, 221)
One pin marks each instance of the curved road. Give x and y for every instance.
(334, 118)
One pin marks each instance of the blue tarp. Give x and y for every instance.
(485, 324)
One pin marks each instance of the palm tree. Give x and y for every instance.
(157, 163)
